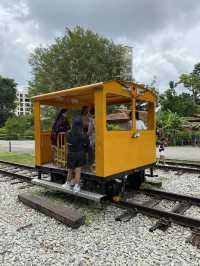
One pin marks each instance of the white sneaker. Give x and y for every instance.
(66, 185)
(71, 184)
(76, 188)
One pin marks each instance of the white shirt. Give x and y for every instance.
(140, 125)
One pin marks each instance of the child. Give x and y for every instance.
(77, 142)
(161, 151)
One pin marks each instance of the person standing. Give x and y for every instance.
(139, 123)
(61, 124)
(77, 142)
(162, 151)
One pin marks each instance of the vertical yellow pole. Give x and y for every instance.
(151, 116)
(100, 127)
(133, 114)
(38, 159)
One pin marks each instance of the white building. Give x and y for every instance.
(126, 73)
(23, 102)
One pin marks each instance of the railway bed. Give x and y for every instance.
(179, 166)
(18, 171)
(148, 208)
(166, 217)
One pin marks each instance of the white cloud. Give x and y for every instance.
(167, 55)
(17, 39)
(164, 34)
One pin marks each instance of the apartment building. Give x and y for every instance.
(126, 73)
(23, 102)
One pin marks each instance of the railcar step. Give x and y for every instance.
(82, 193)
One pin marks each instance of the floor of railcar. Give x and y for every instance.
(85, 170)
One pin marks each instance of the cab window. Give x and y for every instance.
(144, 115)
(118, 110)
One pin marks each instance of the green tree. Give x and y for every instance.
(19, 127)
(79, 57)
(191, 81)
(7, 98)
(169, 124)
(181, 104)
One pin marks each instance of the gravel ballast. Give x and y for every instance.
(103, 241)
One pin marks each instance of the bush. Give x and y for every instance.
(20, 127)
(29, 134)
(3, 133)
(113, 127)
(183, 138)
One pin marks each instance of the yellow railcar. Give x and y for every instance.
(121, 153)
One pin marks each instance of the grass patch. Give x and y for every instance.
(14, 157)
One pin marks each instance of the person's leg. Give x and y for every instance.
(91, 156)
(77, 179)
(70, 175)
(162, 158)
(77, 175)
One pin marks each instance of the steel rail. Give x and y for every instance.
(15, 175)
(18, 165)
(12, 174)
(172, 196)
(158, 213)
(178, 168)
(182, 163)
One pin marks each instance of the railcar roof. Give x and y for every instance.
(82, 90)
(72, 91)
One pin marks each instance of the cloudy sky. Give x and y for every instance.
(164, 34)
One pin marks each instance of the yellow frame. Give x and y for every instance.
(116, 151)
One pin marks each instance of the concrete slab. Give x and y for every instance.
(188, 153)
(22, 146)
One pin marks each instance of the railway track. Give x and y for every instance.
(133, 207)
(177, 215)
(180, 166)
(17, 171)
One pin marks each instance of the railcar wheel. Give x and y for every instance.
(113, 188)
(135, 179)
(57, 178)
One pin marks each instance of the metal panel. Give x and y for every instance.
(82, 193)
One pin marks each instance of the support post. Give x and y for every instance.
(151, 171)
(38, 158)
(10, 149)
(100, 124)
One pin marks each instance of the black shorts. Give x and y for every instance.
(75, 160)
